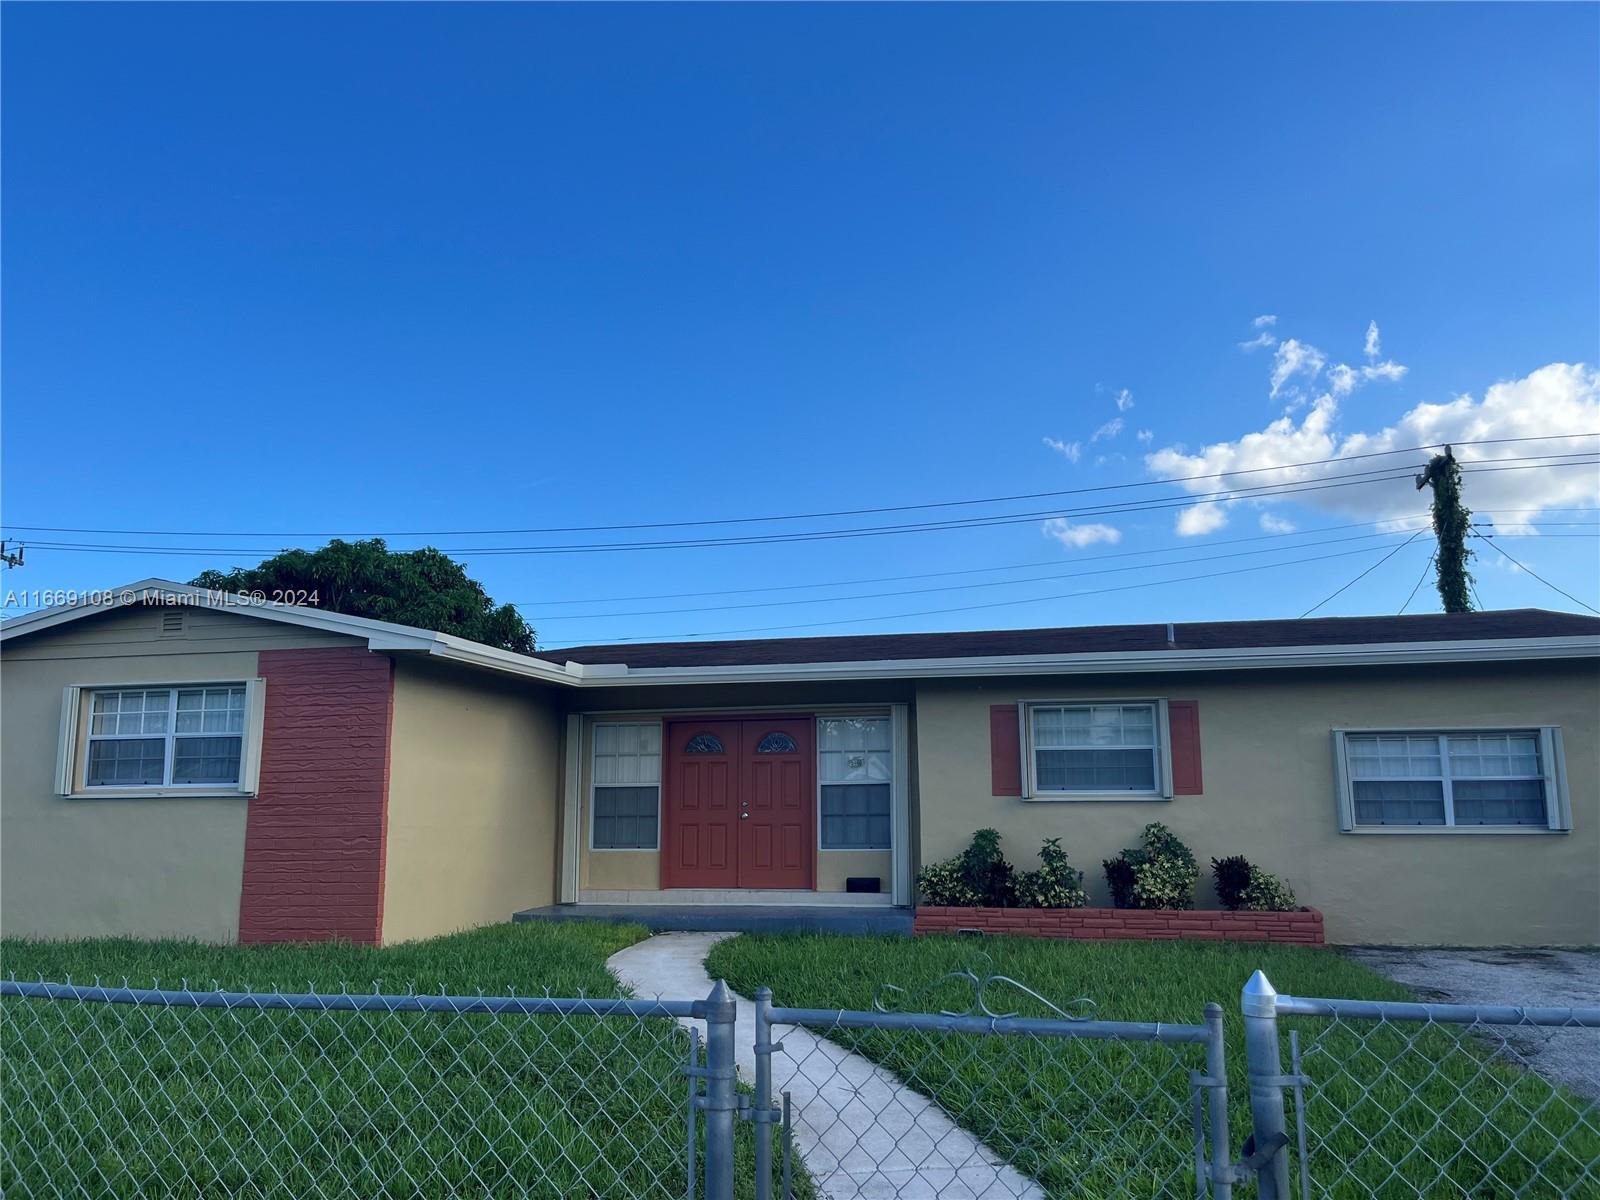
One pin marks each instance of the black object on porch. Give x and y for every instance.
(734, 918)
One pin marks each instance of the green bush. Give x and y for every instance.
(1243, 886)
(1163, 872)
(1268, 893)
(1055, 884)
(980, 877)
(1232, 878)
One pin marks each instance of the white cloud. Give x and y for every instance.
(1201, 519)
(1109, 430)
(1124, 400)
(1146, 436)
(1385, 370)
(1295, 358)
(1561, 398)
(1342, 379)
(1072, 450)
(1264, 320)
(1271, 523)
(1261, 340)
(1374, 345)
(1078, 536)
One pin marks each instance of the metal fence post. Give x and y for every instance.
(1221, 1180)
(762, 1109)
(721, 1099)
(1259, 1002)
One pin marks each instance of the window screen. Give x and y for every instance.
(855, 765)
(627, 787)
(1456, 779)
(1094, 748)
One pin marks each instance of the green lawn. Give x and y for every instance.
(110, 1101)
(1400, 1112)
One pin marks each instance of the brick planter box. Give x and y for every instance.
(1303, 928)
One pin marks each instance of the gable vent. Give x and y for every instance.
(172, 623)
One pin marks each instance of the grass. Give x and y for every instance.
(1397, 1111)
(114, 1100)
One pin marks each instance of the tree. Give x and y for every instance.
(1452, 523)
(366, 579)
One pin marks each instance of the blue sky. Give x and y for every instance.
(301, 269)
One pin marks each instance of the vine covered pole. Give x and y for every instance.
(1452, 524)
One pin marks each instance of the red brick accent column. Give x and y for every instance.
(1302, 928)
(314, 838)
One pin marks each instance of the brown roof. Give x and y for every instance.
(1091, 639)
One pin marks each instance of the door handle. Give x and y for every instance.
(744, 816)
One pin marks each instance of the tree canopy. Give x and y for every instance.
(424, 588)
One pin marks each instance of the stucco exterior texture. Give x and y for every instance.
(401, 797)
(1270, 793)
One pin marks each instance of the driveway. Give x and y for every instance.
(1532, 978)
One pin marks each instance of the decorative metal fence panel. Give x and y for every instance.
(1396, 1101)
(120, 1093)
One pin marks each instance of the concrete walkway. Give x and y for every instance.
(860, 1131)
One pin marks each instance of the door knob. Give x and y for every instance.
(744, 816)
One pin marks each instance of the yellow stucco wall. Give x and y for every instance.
(1270, 794)
(77, 867)
(474, 800)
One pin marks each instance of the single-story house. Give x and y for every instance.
(177, 762)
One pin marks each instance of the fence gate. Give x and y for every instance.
(986, 1104)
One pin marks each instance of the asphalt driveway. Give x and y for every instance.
(1535, 978)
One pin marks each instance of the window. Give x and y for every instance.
(777, 743)
(627, 787)
(855, 768)
(1095, 749)
(704, 743)
(166, 737)
(1450, 779)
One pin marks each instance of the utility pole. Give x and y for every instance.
(1452, 522)
(12, 558)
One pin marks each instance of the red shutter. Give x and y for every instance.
(1005, 751)
(1183, 720)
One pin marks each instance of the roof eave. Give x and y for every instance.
(1117, 662)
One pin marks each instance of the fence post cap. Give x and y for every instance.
(1259, 998)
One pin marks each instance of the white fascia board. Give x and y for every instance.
(1124, 662)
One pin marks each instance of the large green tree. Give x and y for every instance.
(366, 579)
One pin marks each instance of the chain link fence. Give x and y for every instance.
(1396, 1101)
(121, 1092)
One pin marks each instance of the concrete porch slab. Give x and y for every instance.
(733, 918)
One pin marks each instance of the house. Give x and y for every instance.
(177, 762)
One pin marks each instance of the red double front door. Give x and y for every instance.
(740, 804)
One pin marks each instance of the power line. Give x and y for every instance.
(1365, 573)
(1425, 569)
(931, 612)
(954, 587)
(853, 512)
(1260, 492)
(1539, 577)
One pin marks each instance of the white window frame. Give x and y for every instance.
(1163, 752)
(896, 770)
(661, 750)
(1552, 762)
(77, 715)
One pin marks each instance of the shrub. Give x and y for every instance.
(980, 877)
(1241, 885)
(1055, 884)
(1268, 893)
(1163, 872)
(1232, 877)
(977, 877)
